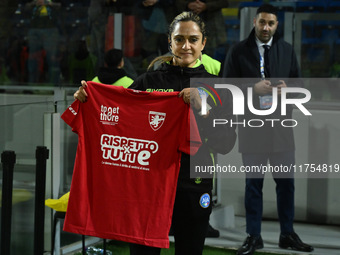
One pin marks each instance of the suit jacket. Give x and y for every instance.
(243, 61)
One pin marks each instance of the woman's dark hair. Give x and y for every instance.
(187, 16)
(182, 17)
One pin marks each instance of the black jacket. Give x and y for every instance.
(243, 61)
(217, 140)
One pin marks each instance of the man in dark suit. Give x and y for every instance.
(264, 56)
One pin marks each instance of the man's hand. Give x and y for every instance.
(264, 87)
(282, 85)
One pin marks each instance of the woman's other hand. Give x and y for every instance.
(81, 94)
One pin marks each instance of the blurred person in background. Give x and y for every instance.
(113, 71)
(211, 13)
(43, 39)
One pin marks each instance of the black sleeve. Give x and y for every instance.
(230, 68)
(138, 83)
(294, 76)
(295, 69)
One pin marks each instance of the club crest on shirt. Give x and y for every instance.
(156, 119)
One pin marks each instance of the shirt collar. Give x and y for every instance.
(197, 64)
(260, 44)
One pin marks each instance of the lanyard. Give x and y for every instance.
(262, 67)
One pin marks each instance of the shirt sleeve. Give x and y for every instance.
(71, 114)
(192, 140)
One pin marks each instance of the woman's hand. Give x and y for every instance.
(192, 97)
(81, 94)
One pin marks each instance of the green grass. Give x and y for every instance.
(121, 248)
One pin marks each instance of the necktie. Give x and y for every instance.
(266, 61)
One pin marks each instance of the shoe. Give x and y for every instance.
(212, 232)
(293, 242)
(251, 244)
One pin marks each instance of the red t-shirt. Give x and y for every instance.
(127, 163)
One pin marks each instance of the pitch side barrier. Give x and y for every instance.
(8, 159)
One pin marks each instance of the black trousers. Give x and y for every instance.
(190, 222)
(284, 190)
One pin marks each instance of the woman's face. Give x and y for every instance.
(186, 43)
